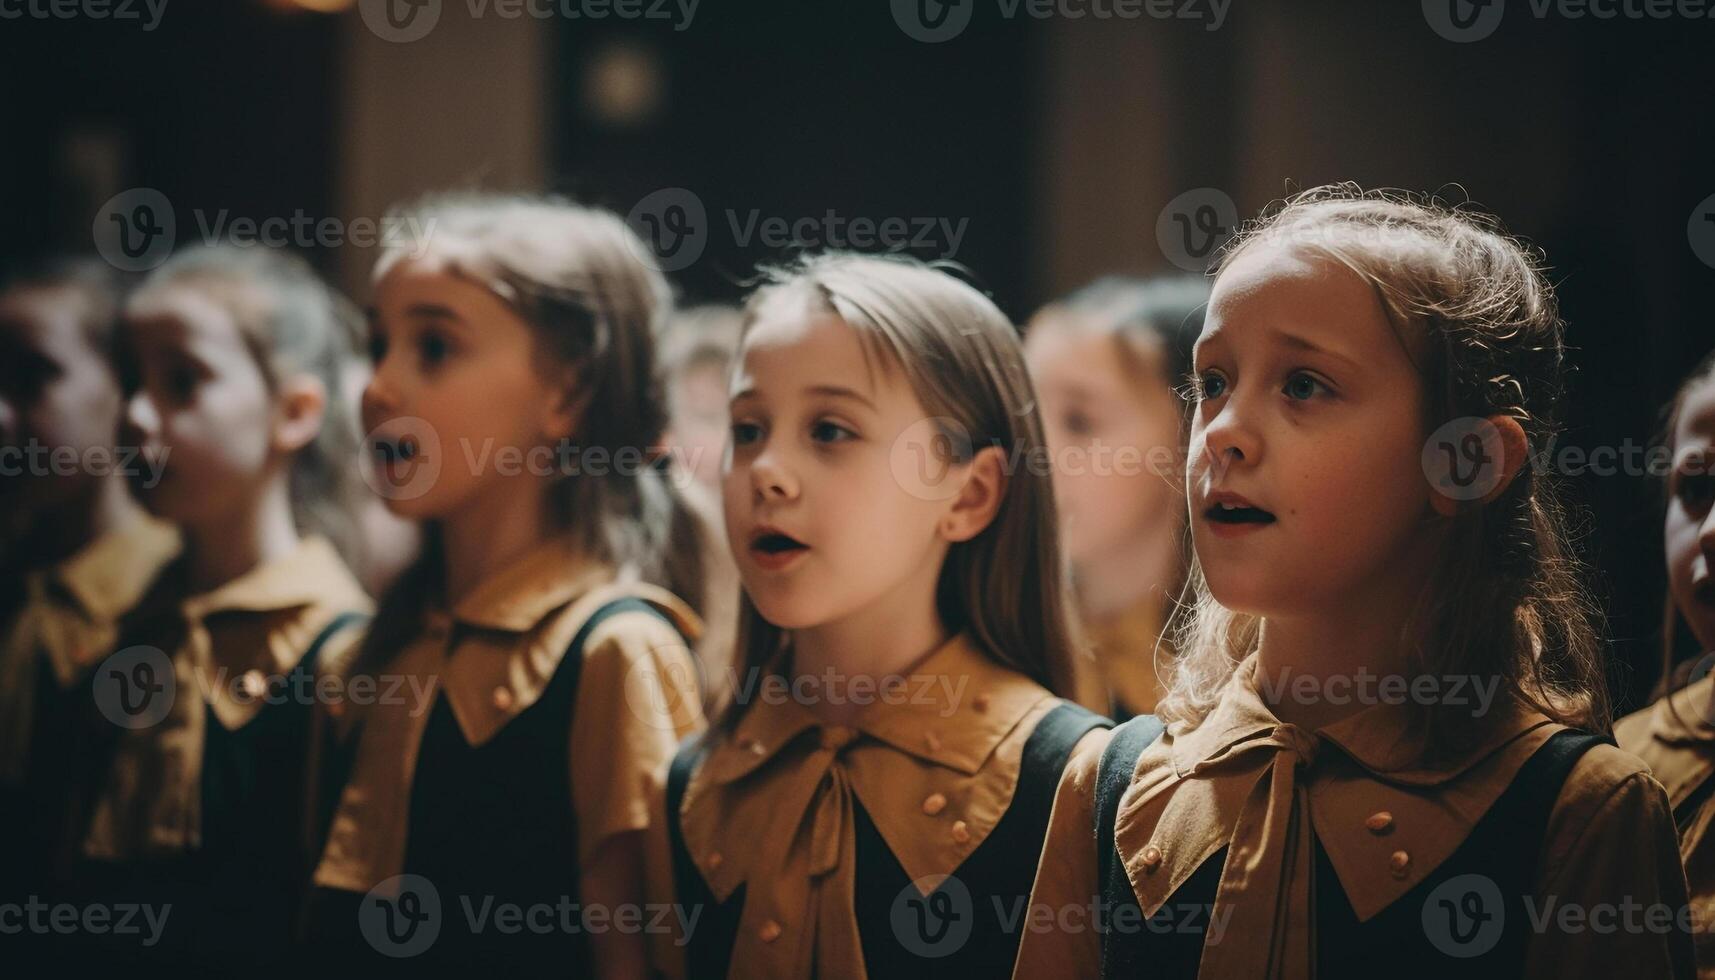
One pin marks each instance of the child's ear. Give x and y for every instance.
(566, 410)
(1473, 461)
(300, 407)
(978, 501)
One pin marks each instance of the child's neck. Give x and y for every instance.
(506, 521)
(1353, 646)
(1146, 568)
(223, 549)
(890, 637)
(106, 508)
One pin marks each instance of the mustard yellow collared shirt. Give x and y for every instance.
(934, 759)
(70, 617)
(492, 656)
(226, 647)
(1246, 781)
(1125, 646)
(1675, 737)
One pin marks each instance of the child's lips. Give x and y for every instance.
(773, 550)
(1228, 515)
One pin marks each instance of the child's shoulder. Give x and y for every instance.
(1607, 791)
(628, 620)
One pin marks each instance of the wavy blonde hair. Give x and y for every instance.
(1507, 596)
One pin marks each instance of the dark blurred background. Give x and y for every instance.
(1056, 143)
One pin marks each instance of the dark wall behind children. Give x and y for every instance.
(1036, 151)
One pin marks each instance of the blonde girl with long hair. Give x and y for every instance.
(881, 768)
(1386, 745)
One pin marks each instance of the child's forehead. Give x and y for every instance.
(1277, 287)
(177, 314)
(805, 347)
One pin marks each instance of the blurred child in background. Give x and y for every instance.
(1676, 735)
(76, 550)
(1107, 362)
(205, 721)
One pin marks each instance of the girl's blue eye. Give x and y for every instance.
(377, 348)
(744, 433)
(1303, 387)
(830, 432)
(1210, 385)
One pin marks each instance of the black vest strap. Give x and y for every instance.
(1113, 775)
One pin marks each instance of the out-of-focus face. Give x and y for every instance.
(458, 390)
(1112, 423)
(1306, 483)
(202, 411)
(59, 395)
(819, 523)
(698, 431)
(1690, 530)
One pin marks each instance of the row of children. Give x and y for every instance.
(564, 737)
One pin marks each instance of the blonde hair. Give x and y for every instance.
(293, 324)
(578, 276)
(1508, 595)
(1005, 587)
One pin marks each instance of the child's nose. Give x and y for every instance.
(8, 422)
(379, 399)
(1231, 438)
(770, 478)
(141, 421)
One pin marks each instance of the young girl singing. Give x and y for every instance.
(1676, 735)
(203, 720)
(543, 630)
(1382, 754)
(871, 800)
(1107, 361)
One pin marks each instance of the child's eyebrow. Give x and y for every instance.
(433, 311)
(1295, 342)
(838, 391)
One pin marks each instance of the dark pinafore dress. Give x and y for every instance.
(993, 883)
(491, 867)
(233, 898)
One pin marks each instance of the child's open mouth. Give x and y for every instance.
(1229, 514)
(400, 450)
(775, 550)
